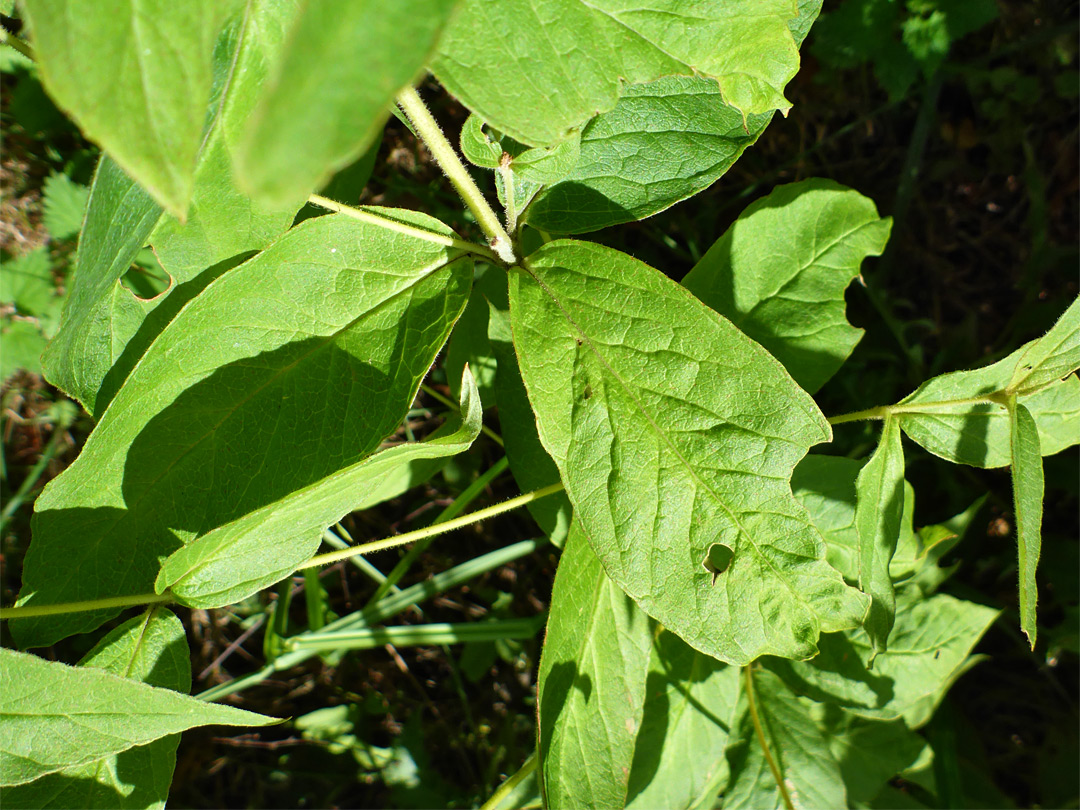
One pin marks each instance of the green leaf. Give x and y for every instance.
(232, 562)
(928, 650)
(1052, 357)
(690, 702)
(879, 514)
(662, 142)
(56, 716)
(136, 80)
(151, 648)
(952, 417)
(674, 432)
(286, 369)
(23, 344)
(538, 69)
(870, 752)
(27, 283)
(800, 751)
(479, 148)
(1028, 490)
(469, 342)
(326, 96)
(222, 221)
(65, 206)
(825, 486)
(119, 219)
(780, 271)
(591, 686)
(530, 464)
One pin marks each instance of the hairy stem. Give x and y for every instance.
(439, 528)
(428, 130)
(401, 227)
(883, 411)
(759, 730)
(32, 611)
(523, 773)
(8, 38)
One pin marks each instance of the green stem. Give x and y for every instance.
(450, 512)
(12, 506)
(431, 392)
(441, 528)
(401, 227)
(759, 730)
(33, 611)
(523, 773)
(22, 47)
(385, 609)
(882, 411)
(430, 133)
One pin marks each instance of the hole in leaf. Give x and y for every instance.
(717, 559)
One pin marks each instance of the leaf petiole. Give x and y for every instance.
(33, 611)
(438, 528)
(883, 411)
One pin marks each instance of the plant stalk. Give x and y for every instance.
(23, 47)
(760, 732)
(883, 411)
(523, 773)
(430, 133)
(32, 611)
(401, 227)
(438, 528)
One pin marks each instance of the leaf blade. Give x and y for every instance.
(780, 271)
(304, 126)
(145, 104)
(1028, 490)
(238, 559)
(41, 738)
(210, 422)
(879, 515)
(591, 685)
(680, 435)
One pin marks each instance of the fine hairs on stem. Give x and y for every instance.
(428, 129)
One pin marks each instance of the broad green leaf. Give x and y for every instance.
(870, 752)
(469, 342)
(662, 142)
(928, 650)
(941, 415)
(328, 93)
(23, 344)
(56, 716)
(674, 433)
(1052, 357)
(690, 702)
(119, 219)
(825, 486)
(530, 464)
(879, 514)
(780, 271)
(151, 648)
(26, 282)
(538, 69)
(222, 220)
(591, 686)
(136, 79)
(64, 204)
(232, 562)
(283, 371)
(800, 751)
(1028, 490)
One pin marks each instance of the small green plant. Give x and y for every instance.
(733, 620)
